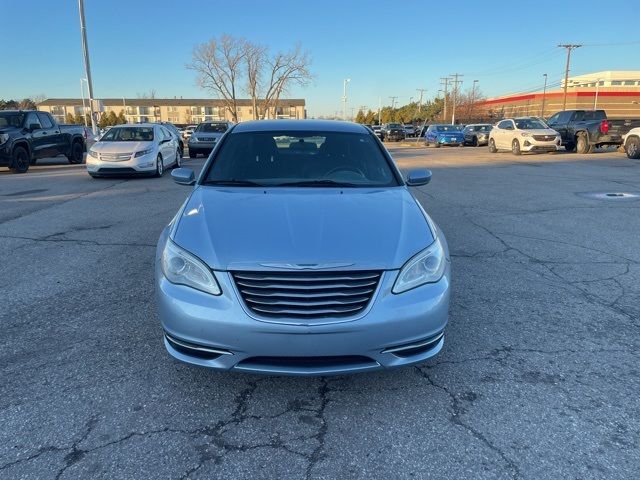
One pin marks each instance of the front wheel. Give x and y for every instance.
(633, 148)
(178, 163)
(20, 163)
(515, 147)
(159, 166)
(192, 154)
(492, 146)
(474, 141)
(437, 145)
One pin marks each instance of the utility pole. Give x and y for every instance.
(473, 98)
(393, 102)
(595, 100)
(344, 99)
(445, 81)
(544, 95)
(456, 84)
(569, 47)
(379, 110)
(87, 66)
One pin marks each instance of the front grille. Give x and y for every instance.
(115, 157)
(544, 138)
(116, 170)
(293, 294)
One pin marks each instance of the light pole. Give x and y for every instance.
(87, 66)
(544, 95)
(84, 108)
(595, 100)
(344, 98)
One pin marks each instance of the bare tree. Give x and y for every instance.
(151, 94)
(284, 70)
(222, 65)
(218, 65)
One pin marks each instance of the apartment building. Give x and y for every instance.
(179, 111)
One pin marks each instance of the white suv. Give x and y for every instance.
(523, 134)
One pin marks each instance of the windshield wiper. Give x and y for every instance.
(233, 182)
(316, 183)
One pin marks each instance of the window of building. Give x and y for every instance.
(57, 110)
(616, 82)
(629, 82)
(143, 110)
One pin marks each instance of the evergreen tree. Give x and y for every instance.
(70, 119)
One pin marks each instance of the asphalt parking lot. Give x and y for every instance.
(539, 376)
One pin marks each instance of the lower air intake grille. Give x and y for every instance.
(293, 294)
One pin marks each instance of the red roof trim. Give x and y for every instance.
(534, 96)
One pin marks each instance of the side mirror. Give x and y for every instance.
(183, 176)
(418, 177)
(33, 126)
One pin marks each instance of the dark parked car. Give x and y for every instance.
(583, 130)
(477, 134)
(27, 135)
(439, 135)
(205, 136)
(393, 132)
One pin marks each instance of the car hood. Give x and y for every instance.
(120, 147)
(450, 134)
(9, 129)
(255, 228)
(542, 131)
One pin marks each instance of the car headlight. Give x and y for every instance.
(92, 152)
(525, 134)
(143, 152)
(3, 137)
(426, 267)
(182, 268)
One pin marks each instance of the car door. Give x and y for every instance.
(560, 123)
(52, 143)
(508, 134)
(38, 136)
(167, 147)
(499, 132)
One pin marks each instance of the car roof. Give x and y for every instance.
(299, 125)
(136, 125)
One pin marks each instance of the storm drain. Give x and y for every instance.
(610, 195)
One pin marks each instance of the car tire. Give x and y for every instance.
(582, 145)
(192, 154)
(474, 141)
(21, 161)
(178, 163)
(633, 148)
(159, 166)
(437, 145)
(569, 147)
(515, 147)
(492, 146)
(77, 153)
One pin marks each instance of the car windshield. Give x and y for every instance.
(482, 128)
(212, 128)
(11, 119)
(448, 128)
(305, 159)
(395, 125)
(529, 124)
(128, 134)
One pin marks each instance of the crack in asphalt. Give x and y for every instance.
(458, 410)
(77, 241)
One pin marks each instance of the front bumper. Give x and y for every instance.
(451, 141)
(414, 321)
(144, 165)
(201, 147)
(532, 145)
(394, 136)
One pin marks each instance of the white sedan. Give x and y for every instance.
(523, 134)
(142, 149)
(631, 142)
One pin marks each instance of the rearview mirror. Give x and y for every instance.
(418, 177)
(183, 176)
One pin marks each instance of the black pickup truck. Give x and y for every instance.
(27, 135)
(583, 130)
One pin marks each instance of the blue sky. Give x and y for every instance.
(386, 47)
